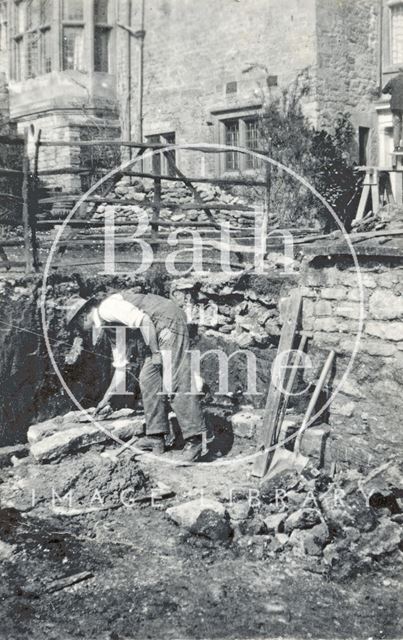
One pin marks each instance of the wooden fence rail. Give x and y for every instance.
(34, 203)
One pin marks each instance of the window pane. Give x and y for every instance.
(45, 11)
(397, 34)
(251, 142)
(32, 14)
(101, 11)
(101, 49)
(19, 18)
(73, 10)
(232, 139)
(17, 59)
(46, 55)
(73, 48)
(32, 54)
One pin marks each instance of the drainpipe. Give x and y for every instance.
(129, 80)
(139, 35)
(141, 73)
(380, 46)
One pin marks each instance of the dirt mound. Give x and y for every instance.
(82, 482)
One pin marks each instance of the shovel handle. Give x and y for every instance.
(312, 403)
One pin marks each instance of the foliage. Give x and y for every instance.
(99, 158)
(321, 157)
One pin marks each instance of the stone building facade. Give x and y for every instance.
(180, 71)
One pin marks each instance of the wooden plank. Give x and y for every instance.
(187, 244)
(25, 214)
(88, 263)
(12, 140)
(68, 170)
(34, 202)
(11, 243)
(275, 394)
(290, 385)
(230, 182)
(363, 202)
(12, 263)
(10, 172)
(10, 196)
(150, 204)
(162, 223)
(314, 399)
(157, 204)
(113, 142)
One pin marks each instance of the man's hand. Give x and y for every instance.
(103, 408)
(156, 359)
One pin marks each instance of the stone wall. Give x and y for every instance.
(365, 417)
(236, 314)
(347, 63)
(192, 50)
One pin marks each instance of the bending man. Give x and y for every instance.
(163, 327)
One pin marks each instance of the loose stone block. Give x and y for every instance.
(7, 453)
(246, 423)
(313, 441)
(76, 437)
(310, 542)
(342, 408)
(203, 517)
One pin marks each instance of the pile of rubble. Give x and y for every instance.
(63, 467)
(341, 525)
(334, 522)
(389, 217)
(142, 191)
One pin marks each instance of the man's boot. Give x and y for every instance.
(192, 450)
(153, 444)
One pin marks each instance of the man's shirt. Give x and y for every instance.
(115, 310)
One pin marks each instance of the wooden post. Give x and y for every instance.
(25, 211)
(156, 211)
(34, 202)
(276, 389)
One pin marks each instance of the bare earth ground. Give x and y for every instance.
(152, 580)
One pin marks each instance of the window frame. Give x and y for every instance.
(49, 25)
(393, 4)
(242, 115)
(105, 27)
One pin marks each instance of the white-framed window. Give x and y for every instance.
(161, 162)
(396, 31)
(82, 41)
(31, 39)
(239, 130)
(73, 35)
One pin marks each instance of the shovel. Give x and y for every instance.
(284, 460)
